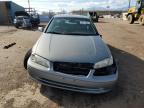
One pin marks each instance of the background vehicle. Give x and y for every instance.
(136, 13)
(94, 16)
(35, 20)
(23, 19)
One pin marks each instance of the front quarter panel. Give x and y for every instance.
(36, 44)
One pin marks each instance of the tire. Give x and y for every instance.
(130, 19)
(17, 26)
(28, 54)
(141, 19)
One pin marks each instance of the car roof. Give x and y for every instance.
(71, 16)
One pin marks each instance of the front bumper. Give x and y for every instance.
(86, 84)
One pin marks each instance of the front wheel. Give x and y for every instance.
(28, 54)
(130, 19)
(141, 20)
(17, 26)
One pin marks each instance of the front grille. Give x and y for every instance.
(73, 68)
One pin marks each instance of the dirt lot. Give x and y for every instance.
(17, 90)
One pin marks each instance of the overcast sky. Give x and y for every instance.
(68, 5)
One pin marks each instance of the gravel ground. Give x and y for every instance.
(17, 90)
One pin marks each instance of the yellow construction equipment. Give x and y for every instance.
(136, 13)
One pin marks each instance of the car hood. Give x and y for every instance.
(68, 48)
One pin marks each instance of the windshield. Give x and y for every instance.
(22, 17)
(71, 26)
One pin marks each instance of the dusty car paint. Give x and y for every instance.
(72, 49)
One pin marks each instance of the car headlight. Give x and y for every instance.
(40, 60)
(104, 63)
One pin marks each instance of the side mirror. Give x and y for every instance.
(41, 29)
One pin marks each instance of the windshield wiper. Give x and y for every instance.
(52, 32)
(79, 34)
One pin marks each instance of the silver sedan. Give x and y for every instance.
(71, 55)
